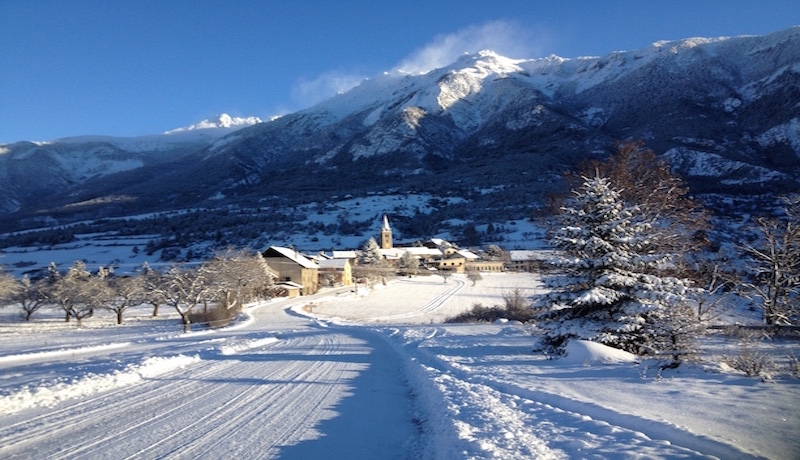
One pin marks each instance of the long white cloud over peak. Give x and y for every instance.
(504, 37)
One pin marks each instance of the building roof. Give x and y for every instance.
(333, 263)
(345, 254)
(423, 251)
(525, 255)
(290, 284)
(291, 254)
(392, 253)
(467, 254)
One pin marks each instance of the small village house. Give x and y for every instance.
(293, 267)
(335, 272)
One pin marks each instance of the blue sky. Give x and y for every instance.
(128, 68)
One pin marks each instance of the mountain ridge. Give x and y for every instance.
(720, 110)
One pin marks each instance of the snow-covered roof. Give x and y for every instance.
(295, 256)
(392, 253)
(523, 255)
(333, 263)
(290, 284)
(422, 251)
(345, 254)
(440, 242)
(467, 254)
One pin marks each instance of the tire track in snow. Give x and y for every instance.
(549, 416)
(433, 305)
(194, 443)
(291, 385)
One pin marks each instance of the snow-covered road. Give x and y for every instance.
(377, 376)
(256, 391)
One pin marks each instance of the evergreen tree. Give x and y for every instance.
(610, 290)
(371, 263)
(371, 253)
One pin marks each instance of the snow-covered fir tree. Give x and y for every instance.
(610, 289)
(370, 253)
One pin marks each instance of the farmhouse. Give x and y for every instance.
(334, 272)
(293, 267)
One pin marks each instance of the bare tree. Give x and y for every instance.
(72, 292)
(97, 292)
(474, 276)
(715, 287)
(408, 264)
(774, 281)
(152, 284)
(8, 286)
(30, 296)
(184, 289)
(445, 274)
(235, 277)
(125, 292)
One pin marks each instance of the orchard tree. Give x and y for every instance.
(8, 286)
(774, 267)
(125, 292)
(152, 284)
(72, 291)
(611, 290)
(30, 296)
(184, 289)
(408, 264)
(474, 276)
(236, 277)
(96, 293)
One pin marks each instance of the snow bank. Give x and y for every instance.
(40, 355)
(48, 395)
(586, 352)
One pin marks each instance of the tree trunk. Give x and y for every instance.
(155, 310)
(119, 316)
(187, 323)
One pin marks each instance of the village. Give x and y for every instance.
(298, 274)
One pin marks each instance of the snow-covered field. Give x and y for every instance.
(369, 376)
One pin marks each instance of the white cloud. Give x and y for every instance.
(310, 92)
(503, 37)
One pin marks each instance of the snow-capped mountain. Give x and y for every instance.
(723, 111)
(33, 170)
(222, 121)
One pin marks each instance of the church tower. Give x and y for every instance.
(386, 234)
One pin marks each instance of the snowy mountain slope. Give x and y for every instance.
(485, 120)
(41, 171)
(731, 97)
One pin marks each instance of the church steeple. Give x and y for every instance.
(386, 234)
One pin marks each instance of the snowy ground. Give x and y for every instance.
(369, 376)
